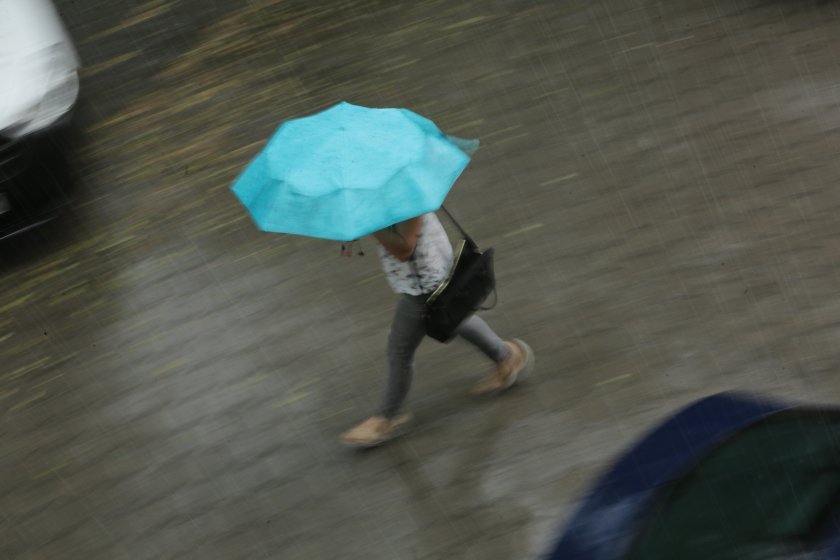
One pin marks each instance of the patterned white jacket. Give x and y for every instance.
(432, 260)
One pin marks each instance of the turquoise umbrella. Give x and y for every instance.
(349, 171)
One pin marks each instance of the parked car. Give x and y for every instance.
(40, 87)
(731, 476)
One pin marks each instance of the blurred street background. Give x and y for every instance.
(659, 181)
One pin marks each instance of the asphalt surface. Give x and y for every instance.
(658, 180)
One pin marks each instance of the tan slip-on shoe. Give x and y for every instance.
(375, 431)
(519, 364)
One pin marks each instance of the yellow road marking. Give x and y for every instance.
(19, 301)
(29, 401)
(53, 378)
(466, 22)
(368, 280)
(149, 12)
(290, 400)
(306, 383)
(110, 63)
(466, 125)
(601, 91)
(48, 472)
(525, 229)
(21, 371)
(559, 179)
(336, 413)
(613, 379)
(168, 367)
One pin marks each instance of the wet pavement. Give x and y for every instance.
(658, 180)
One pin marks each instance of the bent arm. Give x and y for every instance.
(400, 239)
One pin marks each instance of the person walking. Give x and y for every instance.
(416, 256)
(350, 171)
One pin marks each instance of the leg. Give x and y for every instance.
(405, 336)
(407, 332)
(513, 358)
(479, 333)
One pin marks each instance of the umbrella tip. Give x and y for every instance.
(466, 145)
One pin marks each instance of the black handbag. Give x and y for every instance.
(470, 282)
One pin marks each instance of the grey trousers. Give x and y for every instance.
(407, 332)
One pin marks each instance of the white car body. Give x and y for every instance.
(38, 67)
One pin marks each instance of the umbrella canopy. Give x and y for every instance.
(349, 171)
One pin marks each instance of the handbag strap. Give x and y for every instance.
(466, 235)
